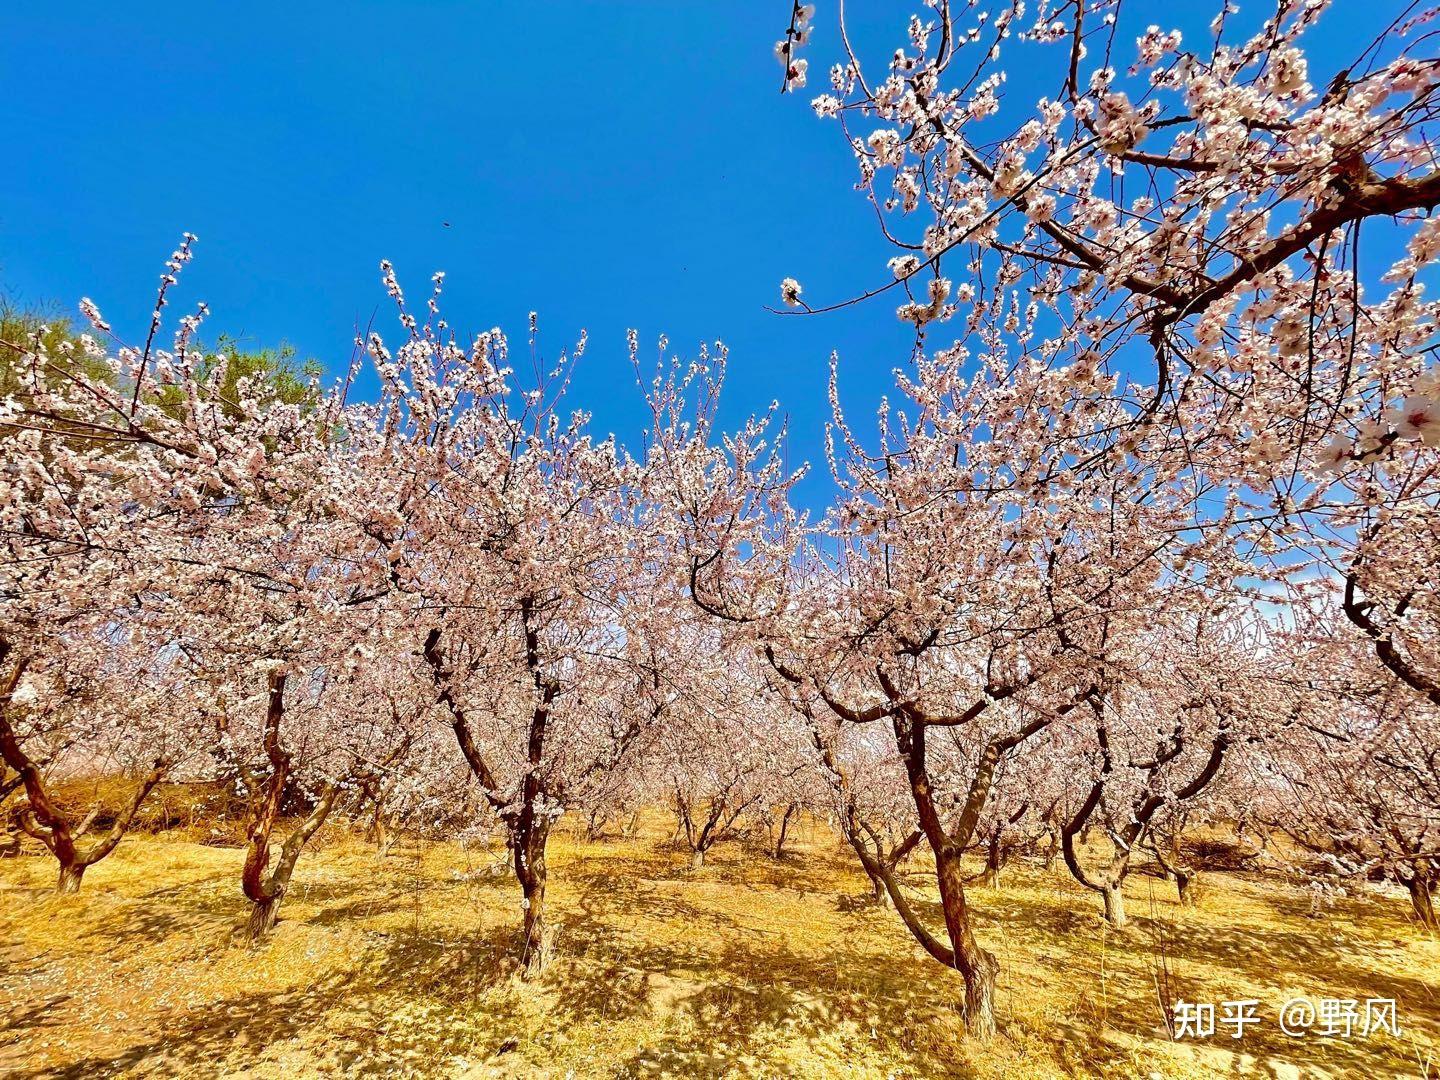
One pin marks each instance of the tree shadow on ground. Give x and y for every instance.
(730, 980)
(434, 978)
(1205, 959)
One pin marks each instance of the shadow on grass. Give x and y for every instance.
(739, 987)
(438, 979)
(706, 990)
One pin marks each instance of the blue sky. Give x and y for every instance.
(610, 165)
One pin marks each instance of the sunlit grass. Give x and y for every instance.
(749, 967)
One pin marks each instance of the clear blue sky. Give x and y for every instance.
(610, 165)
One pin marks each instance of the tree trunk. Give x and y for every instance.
(534, 956)
(40, 817)
(1185, 885)
(697, 858)
(387, 841)
(882, 895)
(70, 875)
(266, 891)
(1114, 906)
(993, 861)
(977, 967)
(980, 996)
(1422, 899)
(263, 916)
(595, 827)
(784, 831)
(530, 869)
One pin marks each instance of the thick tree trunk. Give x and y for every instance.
(70, 875)
(980, 996)
(882, 895)
(1186, 886)
(40, 817)
(976, 966)
(531, 870)
(263, 916)
(267, 891)
(1114, 906)
(534, 955)
(1422, 899)
(993, 861)
(697, 858)
(265, 903)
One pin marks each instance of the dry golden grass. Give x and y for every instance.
(747, 968)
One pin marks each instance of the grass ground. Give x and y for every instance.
(748, 967)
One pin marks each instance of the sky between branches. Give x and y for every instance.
(609, 165)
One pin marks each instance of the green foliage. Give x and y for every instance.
(274, 373)
(284, 378)
(21, 328)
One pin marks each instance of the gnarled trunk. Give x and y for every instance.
(977, 967)
(882, 895)
(1114, 906)
(1422, 900)
(994, 860)
(69, 879)
(266, 891)
(263, 916)
(530, 869)
(41, 818)
(1186, 885)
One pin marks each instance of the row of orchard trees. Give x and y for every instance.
(1146, 540)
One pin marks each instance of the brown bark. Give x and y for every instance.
(530, 869)
(881, 895)
(1387, 651)
(790, 811)
(718, 823)
(1186, 886)
(529, 826)
(269, 890)
(976, 966)
(1422, 900)
(1125, 837)
(266, 890)
(264, 914)
(1114, 906)
(42, 819)
(996, 851)
(69, 880)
